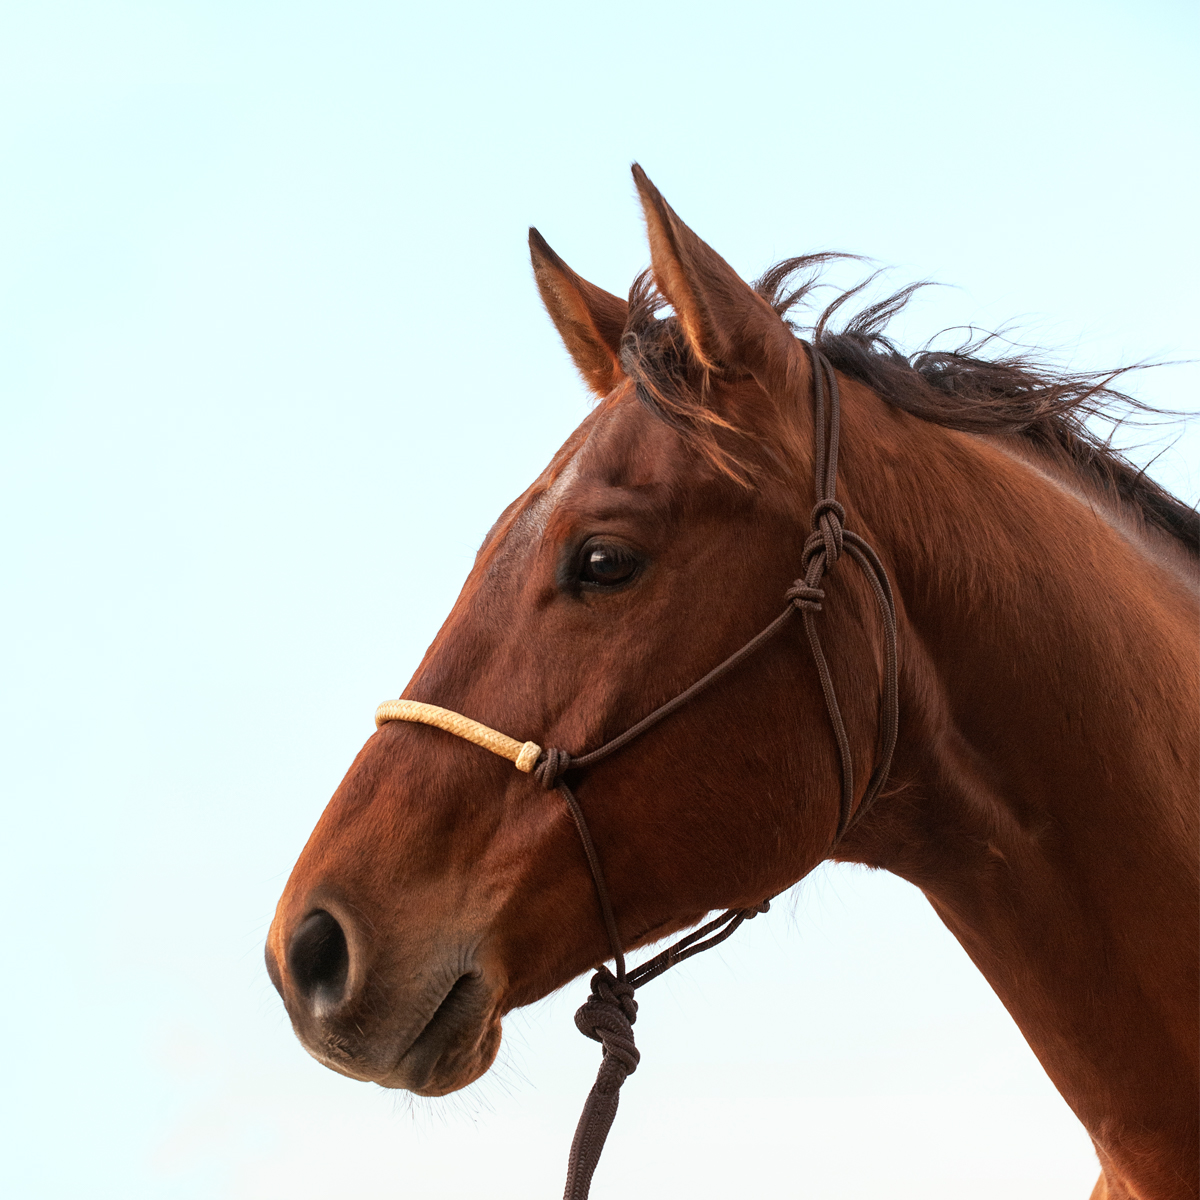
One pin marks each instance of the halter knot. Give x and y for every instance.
(551, 766)
(607, 1017)
(827, 519)
(804, 597)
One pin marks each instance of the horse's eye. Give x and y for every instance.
(607, 564)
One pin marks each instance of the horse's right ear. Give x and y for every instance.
(589, 320)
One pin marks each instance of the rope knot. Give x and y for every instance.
(805, 597)
(607, 1017)
(827, 520)
(762, 907)
(551, 766)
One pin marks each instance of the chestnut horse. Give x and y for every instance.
(1043, 793)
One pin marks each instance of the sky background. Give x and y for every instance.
(271, 363)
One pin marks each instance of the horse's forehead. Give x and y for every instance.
(530, 523)
(619, 448)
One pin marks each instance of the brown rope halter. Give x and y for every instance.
(609, 1013)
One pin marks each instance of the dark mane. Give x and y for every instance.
(1012, 393)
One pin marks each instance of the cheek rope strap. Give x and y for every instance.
(610, 1011)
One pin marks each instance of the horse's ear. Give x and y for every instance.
(589, 320)
(726, 322)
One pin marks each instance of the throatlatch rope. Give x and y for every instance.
(610, 1011)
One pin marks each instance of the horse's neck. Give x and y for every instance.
(1044, 791)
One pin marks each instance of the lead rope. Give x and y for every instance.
(610, 1011)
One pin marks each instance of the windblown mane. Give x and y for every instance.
(1013, 394)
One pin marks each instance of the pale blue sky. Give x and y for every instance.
(263, 284)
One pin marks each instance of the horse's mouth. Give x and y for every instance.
(457, 1044)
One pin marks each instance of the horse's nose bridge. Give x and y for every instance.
(323, 920)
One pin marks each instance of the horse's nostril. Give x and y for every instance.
(318, 958)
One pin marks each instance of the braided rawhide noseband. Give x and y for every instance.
(609, 1013)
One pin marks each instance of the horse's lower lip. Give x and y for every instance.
(460, 1012)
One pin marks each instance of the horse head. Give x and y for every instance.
(440, 888)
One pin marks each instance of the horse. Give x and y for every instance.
(1043, 788)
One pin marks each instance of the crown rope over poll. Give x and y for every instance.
(611, 1010)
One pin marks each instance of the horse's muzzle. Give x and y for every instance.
(432, 1026)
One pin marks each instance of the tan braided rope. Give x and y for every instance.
(523, 755)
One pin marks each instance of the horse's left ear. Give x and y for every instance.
(589, 320)
(726, 322)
